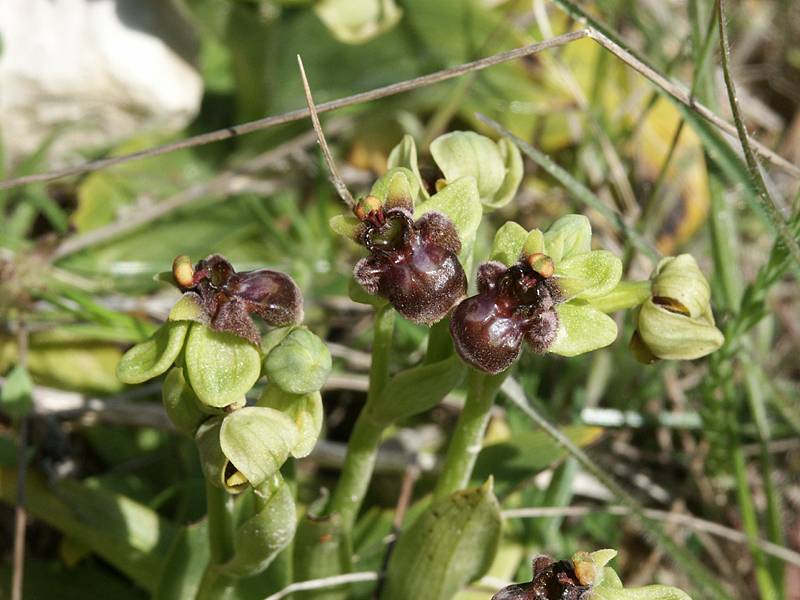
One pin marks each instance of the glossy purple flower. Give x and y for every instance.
(512, 304)
(413, 264)
(551, 581)
(227, 298)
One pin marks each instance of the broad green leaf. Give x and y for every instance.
(181, 404)
(16, 396)
(257, 441)
(568, 236)
(468, 154)
(304, 409)
(589, 275)
(321, 549)
(405, 155)
(155, 355)
(259, 540)
(430, 384)
(221, 367)
(300, 363)
(581, 329)
(126, 534)
(357, 21)
(451, 544)
(185, 563)
(459, 201)
(508, 243)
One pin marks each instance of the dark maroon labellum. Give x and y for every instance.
(551, 581)
(229, 298)
(513, 304)
(413, 264)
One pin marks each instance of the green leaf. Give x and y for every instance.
(259, 540)
(357, 21)
(155, 355)
(405, 155)
(257, 441)
(590, 275)
(468, 154)
(185, 564)
(568, 236)
(508, 243)
(221, 367)
(321, 549)
(16, 396)
(181, 404)
(430, 384)
(451, 544)
(300, 363)
(458, 201)
(304, 409)
(581, 329)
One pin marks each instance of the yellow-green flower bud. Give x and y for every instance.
(676, 322)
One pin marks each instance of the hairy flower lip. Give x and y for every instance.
(228, 298)
(552, 580)
(413, 264)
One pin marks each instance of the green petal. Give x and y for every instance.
(582, 329)
(155, 355)
(568, 236)
(458, 201)
(257, 441)
(221, 367)
(346, 226)
(590, 275)
(469, 154)
(405, 155)
(508, 243)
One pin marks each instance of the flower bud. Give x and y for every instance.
(299, 363)
(676, 322)
(304, 409)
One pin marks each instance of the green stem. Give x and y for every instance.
(362, 448)
(468, 437)
(220, 523)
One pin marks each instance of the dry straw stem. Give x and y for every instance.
(677, 91)
(337, 180)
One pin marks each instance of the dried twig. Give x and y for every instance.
(673, 89)
(336, 179)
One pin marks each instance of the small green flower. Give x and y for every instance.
(676, 322)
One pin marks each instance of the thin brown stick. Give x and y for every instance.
(411, 84)
(336, 179)
(20, 514)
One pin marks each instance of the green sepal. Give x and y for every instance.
(430, 384)
(589, 275)
(300, 363)
(155, 355)
(534, 243)
(221, 367)
(347, 226)
(259, 540)
(449, 545)
(181, 403)
(322, 548)
(508, 243)
(458, 201)
(568, 236)
(256, 441)
(468, 154)
(582, 328)
(188, 308)
(304, 409)
(405, 155)
(398, 187)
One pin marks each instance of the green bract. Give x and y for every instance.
(155, 355)
(304, 409)
(300, 363)
(496, 167)
(676, 322)
(221, 367)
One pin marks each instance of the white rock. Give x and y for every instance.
(100, 69)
